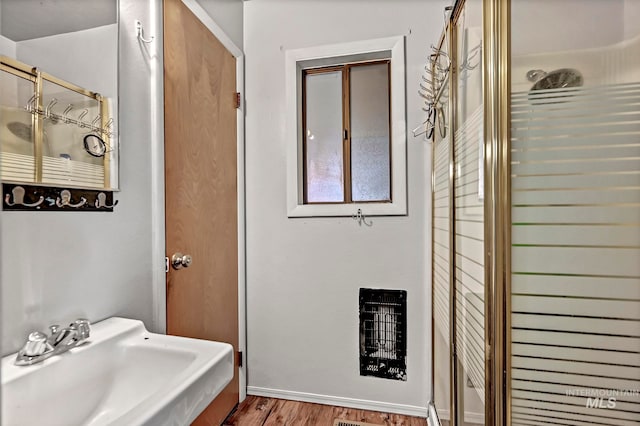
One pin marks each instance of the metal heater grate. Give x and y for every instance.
(340, 422)
(383, 330)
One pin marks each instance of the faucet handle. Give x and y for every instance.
(83, 328)
(36, 344)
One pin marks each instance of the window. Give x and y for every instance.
(346, 137)
(346, 129)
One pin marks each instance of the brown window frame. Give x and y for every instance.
(345, 69)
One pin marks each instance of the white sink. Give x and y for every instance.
(123, 375)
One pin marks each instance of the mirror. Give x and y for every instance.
(58, 92)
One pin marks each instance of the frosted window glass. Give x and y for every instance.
(370, 166)
(324, 154)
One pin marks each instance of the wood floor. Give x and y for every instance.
(259, 411)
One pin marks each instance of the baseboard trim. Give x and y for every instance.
(469, 417)
(361, 404)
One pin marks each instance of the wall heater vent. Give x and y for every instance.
(339, 422)
(383, 333)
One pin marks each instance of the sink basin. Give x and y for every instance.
(123, 375)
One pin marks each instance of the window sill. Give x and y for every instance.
(347, 210)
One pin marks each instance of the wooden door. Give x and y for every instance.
(201, 188)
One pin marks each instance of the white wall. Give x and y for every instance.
(304, 274)
(631, 18)
(7, 47)
(551, 25)
(600, 40)
(90, 54)
(59, 266)
(228, 15)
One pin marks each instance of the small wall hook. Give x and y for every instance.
(18, 198)
(65, 200)
(52, 102)
(65, 114)
(31, 104)
(140, 33)
(107, 130)
(360, 217)
(101, 201)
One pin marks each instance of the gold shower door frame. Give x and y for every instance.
(497, 180)
(497, 211)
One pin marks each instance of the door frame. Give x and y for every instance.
(159, 280)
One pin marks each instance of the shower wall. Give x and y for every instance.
(601, 39)
(575, 192)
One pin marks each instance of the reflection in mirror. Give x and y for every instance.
(16, 129)
(68, 41)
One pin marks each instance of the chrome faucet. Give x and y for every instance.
(39, 346)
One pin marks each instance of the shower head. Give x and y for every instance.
(21, 130)
(558, 79)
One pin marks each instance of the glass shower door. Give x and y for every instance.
(441, 267)
(468, 160)
(575, 190)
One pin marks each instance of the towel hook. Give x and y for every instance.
(65, 200)
(79, 121)
(31, 104)
(65, 114)
(360, 217)
(18, 198)
(108, 128)
(47, 111)
(101, 201)
(140, 33)
(94, 123)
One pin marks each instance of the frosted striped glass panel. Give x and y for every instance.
(370, 147)
(323, 139)
(65, 159)
(576, 256)
(441, 267)
(64, 171)
(441, 258)
(469, 247)
(16, 129)
(468, 200)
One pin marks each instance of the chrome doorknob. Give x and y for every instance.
(179, 260)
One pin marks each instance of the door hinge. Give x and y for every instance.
(237, 99)
(240, 359)
(166, 264)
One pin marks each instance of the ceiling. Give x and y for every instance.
(27, 19)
